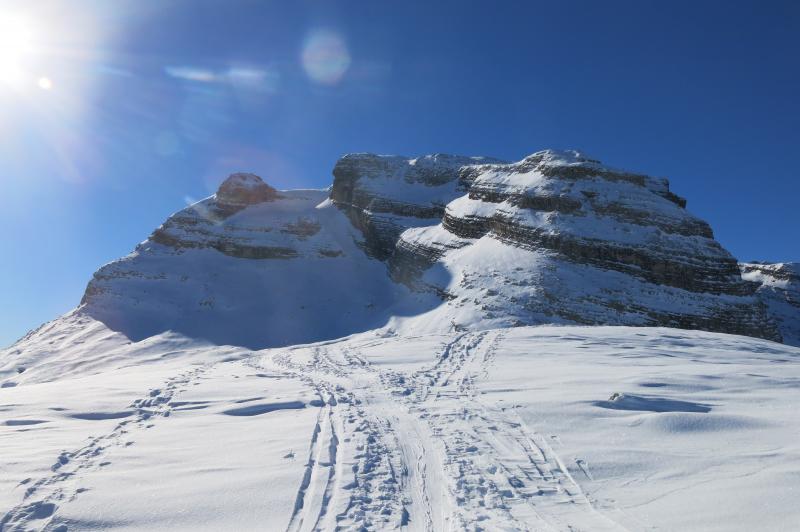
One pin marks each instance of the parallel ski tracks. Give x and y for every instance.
(425, 452)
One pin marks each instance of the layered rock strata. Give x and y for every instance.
(385, 195)
(591, 244)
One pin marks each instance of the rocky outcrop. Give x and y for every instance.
(385, 195)
(240, 191)
(636, 254)
(779, 288)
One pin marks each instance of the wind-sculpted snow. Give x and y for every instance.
(533, 428)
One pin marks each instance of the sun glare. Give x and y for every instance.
(16, 42)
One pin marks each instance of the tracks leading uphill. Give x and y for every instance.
(421, 451)
(390, 449)
(353, 476)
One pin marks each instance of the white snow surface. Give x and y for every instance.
(530, 428)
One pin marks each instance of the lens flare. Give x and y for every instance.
(325, 57)
(45, 84)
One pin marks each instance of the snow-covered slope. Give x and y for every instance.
(532, 428)
(277, 268)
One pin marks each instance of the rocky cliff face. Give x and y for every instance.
(436, 243)
(385, 195)
(560, 237)
(779, 288)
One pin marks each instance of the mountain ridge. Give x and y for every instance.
(433, 243)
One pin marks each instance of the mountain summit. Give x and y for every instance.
(431, 244)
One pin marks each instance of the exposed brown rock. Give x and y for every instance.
(243, 189)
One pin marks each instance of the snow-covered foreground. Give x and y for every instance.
(542, 428)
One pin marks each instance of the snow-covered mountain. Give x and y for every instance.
(429, 244)
(426, 245)
(381, 355)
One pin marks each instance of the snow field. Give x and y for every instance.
(532, 428)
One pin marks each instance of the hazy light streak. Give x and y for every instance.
(256, 78)
(192, 74)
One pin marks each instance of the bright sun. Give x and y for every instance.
(16, 42)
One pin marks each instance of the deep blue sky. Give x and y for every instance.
(151, 104)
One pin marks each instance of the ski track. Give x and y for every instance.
(421, 451)
(353, 474)
(42, 497)
(389, 449)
